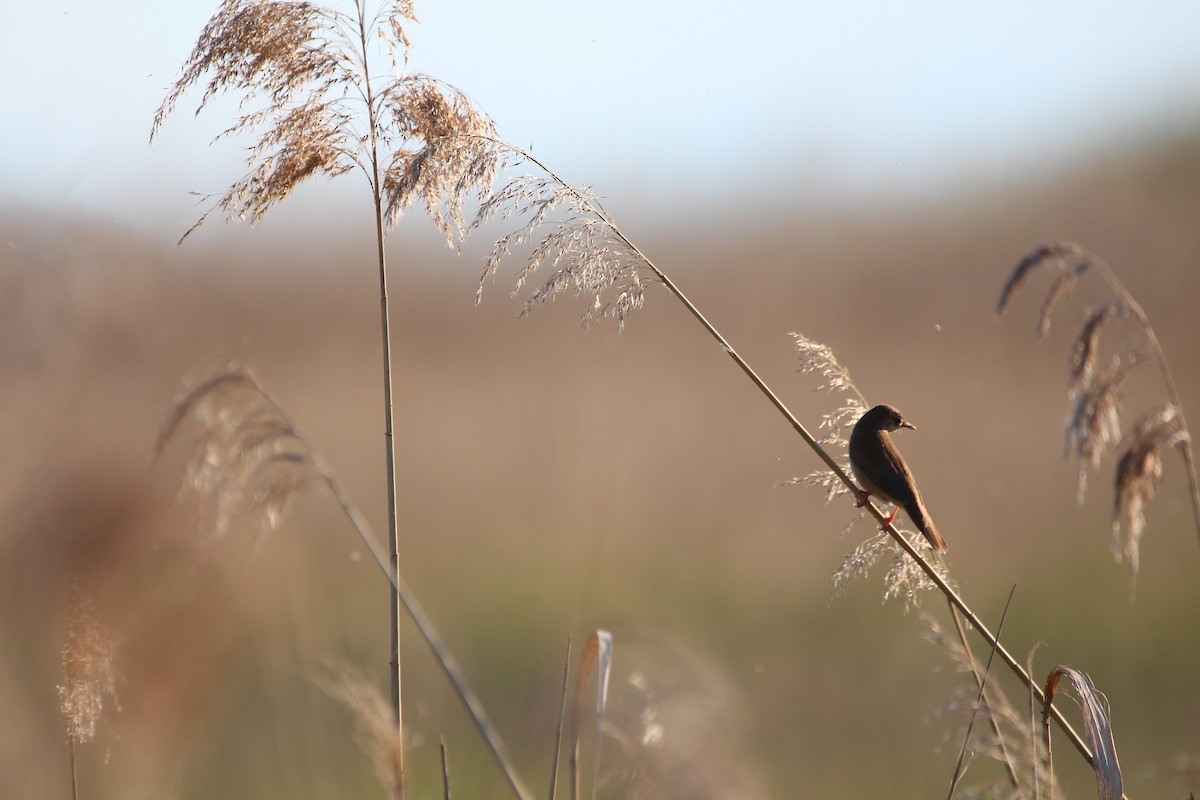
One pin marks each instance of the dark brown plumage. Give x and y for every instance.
(881, 470)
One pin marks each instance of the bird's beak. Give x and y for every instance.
(909, 425)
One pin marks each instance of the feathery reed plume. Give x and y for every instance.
(243, 437)
(304, 72)
(377, 733)
(1139, 472)
(1095, 724)
(817, 358)
(249, 459)
(583, 246)
(87, 659)
(307, 77)
(1094, 422)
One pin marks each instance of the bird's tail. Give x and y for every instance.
(935, 538)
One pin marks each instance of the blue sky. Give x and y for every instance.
(662, 98)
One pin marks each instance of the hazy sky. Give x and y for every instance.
(666, 98)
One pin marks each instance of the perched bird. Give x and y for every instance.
(881, 470)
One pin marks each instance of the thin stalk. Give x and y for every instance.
(562, 709)
(74, 771)
(445, 771)
(389, 409)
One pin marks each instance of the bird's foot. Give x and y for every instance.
(892, 516)
(862, 498)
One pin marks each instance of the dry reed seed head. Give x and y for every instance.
(307, 65)
(1034, 259)
(859, 561)
(820, 359)
(1085, 349)
(1059, 290)
(308, 140)
(825, 479)
(271, 48)
(1138, 475)
(1094, 424)
(448, 172)
(377, 732)
(88, 657)
(582, 245)
(905, 580)
(248, 457)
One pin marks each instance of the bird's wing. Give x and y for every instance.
(894, 478)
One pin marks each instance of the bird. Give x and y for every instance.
(882, 471)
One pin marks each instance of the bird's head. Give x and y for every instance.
(886, 418)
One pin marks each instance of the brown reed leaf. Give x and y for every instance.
(1139, 472)
(1096, 726)
(87, 657)
(597, 654)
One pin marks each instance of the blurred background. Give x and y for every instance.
(866, 174)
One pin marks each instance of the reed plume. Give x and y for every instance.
(1094, 394)
(87, 659)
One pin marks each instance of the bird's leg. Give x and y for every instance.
(888, 521)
